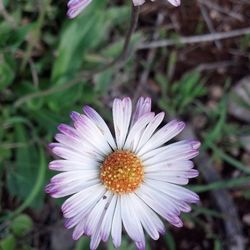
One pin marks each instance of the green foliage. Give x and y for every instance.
(177, 97)
(21, 225)
(6, 73)
(22, 177)
(8, 243)
(170, 241)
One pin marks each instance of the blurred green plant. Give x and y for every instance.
(177, 97)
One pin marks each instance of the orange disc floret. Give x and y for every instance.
(122, 172)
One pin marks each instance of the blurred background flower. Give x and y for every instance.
(75, 7)
(193, 61)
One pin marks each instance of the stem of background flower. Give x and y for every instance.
(119, 59)
(231, 183)
(135, 10)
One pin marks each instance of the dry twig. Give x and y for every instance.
(195, 39)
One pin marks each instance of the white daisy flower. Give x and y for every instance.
(75, 7)
(129, 181)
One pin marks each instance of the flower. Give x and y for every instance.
(127, 181)
(75, 7)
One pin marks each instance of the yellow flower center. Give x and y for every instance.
(122, 172)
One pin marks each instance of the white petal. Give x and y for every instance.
(57, 190)
(160, 205)
(150, 221)
(91, 133)
(163, 135)
(73, 221)
(143, 106)
(95, 240)
(138, 2)
(130, 219)
(83, 201)
(148, 132)
(175, 2)
(136, 130)
(180, 180)
(122, 110)
(96, 216)
(82, 149)
(101, 124)
(116, 230)
(164, 175)
(170, 153)
(170, 166)
(140, 245)
(108, 218)
(101, 222)
(67, 177)
(67, 165)
(79, 230)
(68, 130)
(175, 191)
(76, 7)
(82, 218)
(70, 154)
(180, 205)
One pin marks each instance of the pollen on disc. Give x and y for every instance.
(122, 172)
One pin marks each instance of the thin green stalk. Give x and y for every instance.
(230, 160)
(232, 183)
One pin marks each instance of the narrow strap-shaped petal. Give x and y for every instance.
(143, 106)
(170, 153)
(136, 130)
(100, 123)
(138, 2)
(130, 219)
(91, 133)
(158, 205)
(76, 7)
(162, 136)
(116, 230)
(96, 216)
(67, 165)
(122, 110)
(175, 2)
(150, 129)
(148, 218)
(108, 218)
(80, 202)
(175, 191)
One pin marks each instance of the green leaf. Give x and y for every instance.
(8, 243)
(82, 244)
(13, 39)
(6, 74)
(22, 177)
(79, 35)
(170, 241)
(21, 225)
(103, 81)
